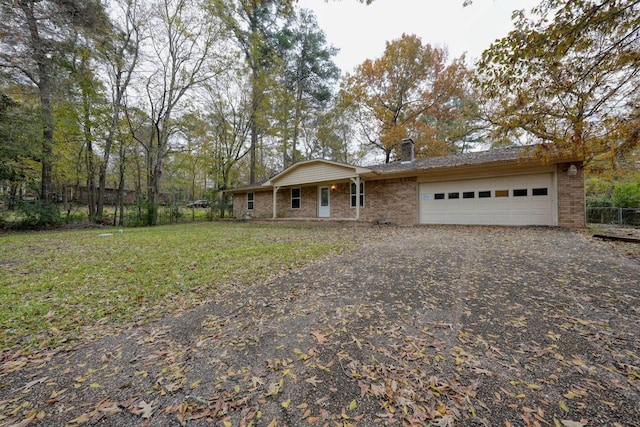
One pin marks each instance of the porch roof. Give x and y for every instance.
(315, 171)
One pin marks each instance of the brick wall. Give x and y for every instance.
(392, 199)
(308, 203)
(571, 197)
(262, 205)
(341, 202)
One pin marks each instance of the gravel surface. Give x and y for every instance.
(426, 325)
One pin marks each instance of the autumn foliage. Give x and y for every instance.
(568, 75)
(411, 91)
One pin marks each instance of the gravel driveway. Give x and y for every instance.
(426, 325)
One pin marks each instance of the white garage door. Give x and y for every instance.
(513, 200)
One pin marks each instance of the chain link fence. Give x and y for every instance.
(614, 216)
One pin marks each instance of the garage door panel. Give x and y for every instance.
(436, 206)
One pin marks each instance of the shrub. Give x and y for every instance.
(626, 195)
(599, 202)
(38, 215)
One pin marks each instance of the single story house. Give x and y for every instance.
(505, 186)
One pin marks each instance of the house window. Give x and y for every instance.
(520, 192)
(540, 192)
(354, 196)
(250, 201)
(468, 195)
(439, 196)
(295, 198)
(484, 194)
(454, 195)
(502, 193)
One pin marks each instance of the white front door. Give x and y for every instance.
(324, 202)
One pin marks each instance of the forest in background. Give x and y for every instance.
(161, 102)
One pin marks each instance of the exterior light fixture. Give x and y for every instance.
(333, 187)
(573, 170)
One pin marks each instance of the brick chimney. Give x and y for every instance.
(407, 153)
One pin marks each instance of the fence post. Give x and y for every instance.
(620, 217)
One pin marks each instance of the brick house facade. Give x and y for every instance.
(502, 187)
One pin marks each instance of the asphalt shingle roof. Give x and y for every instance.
(495, 155)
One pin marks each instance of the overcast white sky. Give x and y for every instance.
(360, 31)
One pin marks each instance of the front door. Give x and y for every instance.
(324, 205)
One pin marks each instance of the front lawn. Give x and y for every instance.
(59, 287)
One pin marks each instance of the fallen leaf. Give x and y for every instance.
(144, 409)
(313, 380)
(110, 409)
(256, 380)
(34, 382)
(81, 419)
(26, 421)
(320, 337)
(563, 406)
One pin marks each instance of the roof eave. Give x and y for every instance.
(271, 182)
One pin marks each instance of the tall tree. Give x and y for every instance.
(183, 56)
(254, 24)
(396, 95)
(119, 55)
(19, 136)
(193, 152)
(78, 115)
(568, 75)
(308, 76)
(34, 36)
(333, 134)
(229, 106)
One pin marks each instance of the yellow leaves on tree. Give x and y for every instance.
(568, 75)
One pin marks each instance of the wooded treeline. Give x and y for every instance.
(177, 100)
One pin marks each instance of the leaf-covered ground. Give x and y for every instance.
(436, 325)
(60, 287)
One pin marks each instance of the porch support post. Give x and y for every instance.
(275, 202)
(356, 181)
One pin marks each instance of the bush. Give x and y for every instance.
(39, 215)
(626, 195)
(599, 202)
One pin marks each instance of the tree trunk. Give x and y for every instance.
(90, 160)
(102, 174)
(252, 150)
(47, 139)
(122, 170)
(13, 192)
(66, 204)
(44, 86)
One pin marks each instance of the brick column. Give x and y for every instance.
(571, 196)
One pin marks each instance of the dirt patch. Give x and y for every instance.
(441, 325)
(629, 249)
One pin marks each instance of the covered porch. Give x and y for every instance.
(314, 189)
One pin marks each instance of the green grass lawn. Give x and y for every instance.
(60, 287)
